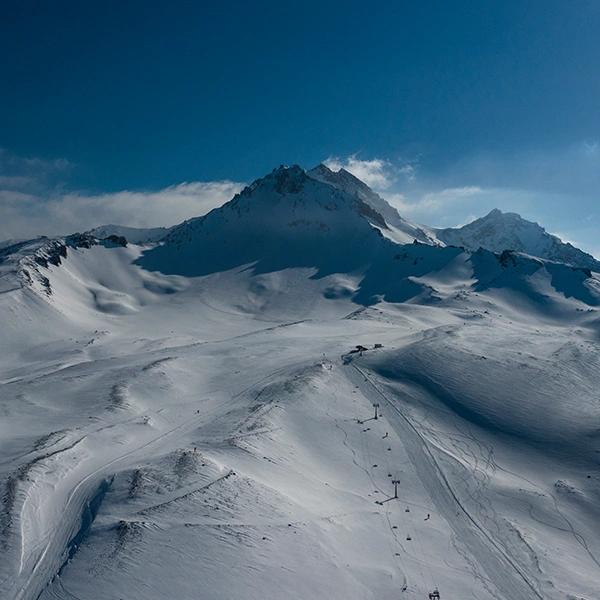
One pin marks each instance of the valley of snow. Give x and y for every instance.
(191, 419)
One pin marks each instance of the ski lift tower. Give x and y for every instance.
(376, 407)
(396, 483)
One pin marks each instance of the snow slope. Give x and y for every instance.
(499, 231)
(191, 420)
(398, 229)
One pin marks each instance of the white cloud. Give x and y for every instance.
(433, 202)
(442, 199)
(399, 201)
(376, 173)
(33, 200)
(409, 172)
(25, 215)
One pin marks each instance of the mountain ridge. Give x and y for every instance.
(398, 229)
(497, 231)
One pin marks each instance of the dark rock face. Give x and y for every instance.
(50, 254)
(81, 240)
(115, 240)
(507, 258)
(289, 181)
(24, 261)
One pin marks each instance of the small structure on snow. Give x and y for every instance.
(358, 349)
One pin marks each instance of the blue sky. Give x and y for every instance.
(148, 112)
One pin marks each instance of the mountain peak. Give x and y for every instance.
(497, 215)
(342, 176)
(321, 169)
(288, 171)
(499, 231)
(283, 219)
(283, 180)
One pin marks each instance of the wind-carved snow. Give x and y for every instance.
(196, 417)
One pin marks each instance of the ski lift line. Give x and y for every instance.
(446, 483)
(390, 543)
(387, 458)
(396, 410)
(344, 442)
(366, 456)
(368, 460)
(395, 474)
(419, 561)
(419, 557)
(399, 544)
(430, 580)
(376, 486)
(384, 444)
(395, 534)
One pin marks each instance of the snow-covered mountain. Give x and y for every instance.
(195, 415)
(398, 229)
(286, 219)
(499, 231)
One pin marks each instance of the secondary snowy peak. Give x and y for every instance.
(399, 229)
(499, 231)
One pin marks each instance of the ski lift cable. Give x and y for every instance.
(366, 454)
(393, 543)
(426, 575)
(366, 448)
(419, 561)
(419, 556)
